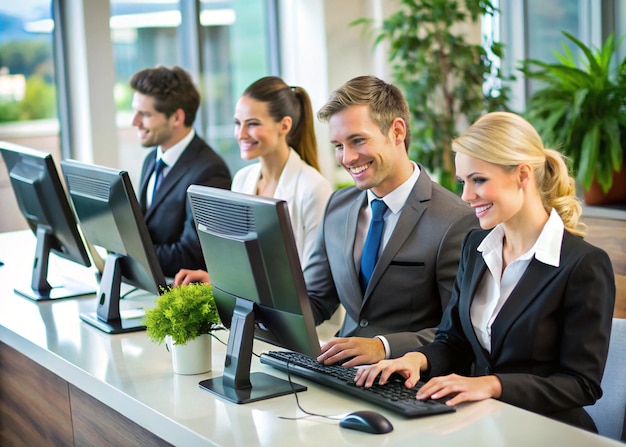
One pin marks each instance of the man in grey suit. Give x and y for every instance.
(415, 265)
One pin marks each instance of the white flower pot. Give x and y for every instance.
(194, 357)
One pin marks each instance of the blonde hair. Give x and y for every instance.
(507, 139)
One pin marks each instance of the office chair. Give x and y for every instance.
(609, 413)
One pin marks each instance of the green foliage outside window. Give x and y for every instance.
(33, 59)
(39, 102)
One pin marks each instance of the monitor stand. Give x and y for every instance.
(108, 317)
(40, 289)
(237, 384)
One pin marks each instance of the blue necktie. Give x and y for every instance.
(158, 175)
(372, 242)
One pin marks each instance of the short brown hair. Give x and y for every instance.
(171, 88)
(385, 101)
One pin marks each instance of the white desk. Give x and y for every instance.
(134, 377)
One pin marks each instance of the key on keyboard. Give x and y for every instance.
(393, 395)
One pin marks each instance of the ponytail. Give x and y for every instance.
(559, 191)
(302, 136)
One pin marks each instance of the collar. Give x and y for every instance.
(396, 199)
(547, 247)
(171, 156)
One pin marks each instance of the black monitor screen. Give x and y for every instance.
(258, 285)
(43, 202)
(109, 214)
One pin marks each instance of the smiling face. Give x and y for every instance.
(374, 160)
(494, 192)
(154, 128)
(257, 133)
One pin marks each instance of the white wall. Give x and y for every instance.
(320, 51)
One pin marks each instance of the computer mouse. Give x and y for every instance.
(366, 421)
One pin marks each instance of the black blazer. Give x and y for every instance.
(169, 217)
(550, 340)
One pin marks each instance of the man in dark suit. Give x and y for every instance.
(416, 261)
(165, 103)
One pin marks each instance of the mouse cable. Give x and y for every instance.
(127, 293)
(307, 413)
(295, 394)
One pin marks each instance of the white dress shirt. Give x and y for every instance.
(496, 285)
(170, 157)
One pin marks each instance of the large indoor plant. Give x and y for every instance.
(183, 316)
(580, 108)
(448, 82)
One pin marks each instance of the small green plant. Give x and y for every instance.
(184, 313)
(581, 108)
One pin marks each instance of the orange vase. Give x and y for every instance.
(615, 196)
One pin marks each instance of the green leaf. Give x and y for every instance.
(589, 155)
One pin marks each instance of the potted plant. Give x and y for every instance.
(184, 318)
(580, 109)
(447, 81)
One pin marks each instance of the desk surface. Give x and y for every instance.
(134, 376)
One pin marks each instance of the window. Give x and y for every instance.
(224, 44)
(27, 74)
(533, 29)
(28, 95)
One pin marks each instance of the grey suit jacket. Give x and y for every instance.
(413, 278)
(550, 339)
(169, 217)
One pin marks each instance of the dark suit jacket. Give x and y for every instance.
(413, 278)
(169, 217)
(549, 341)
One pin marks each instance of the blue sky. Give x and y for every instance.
(27, 9)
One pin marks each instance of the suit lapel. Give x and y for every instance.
(147, 171)
(475, 273)
(349, 233)
(527, 290)
(411, 213)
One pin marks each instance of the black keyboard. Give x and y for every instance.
(393, 395)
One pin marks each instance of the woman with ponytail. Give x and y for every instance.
(274, 124)
(531, 310)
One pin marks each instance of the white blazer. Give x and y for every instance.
(304, 189)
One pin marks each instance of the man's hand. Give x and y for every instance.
(360, 351)
(184, 277)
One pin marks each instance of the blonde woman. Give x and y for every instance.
(532, 305)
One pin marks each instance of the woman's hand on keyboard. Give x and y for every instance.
(464, 389)
(408, 366)
(352, 351)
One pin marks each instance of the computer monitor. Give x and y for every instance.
(110, 216)
(43, 202)
(258, 285)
